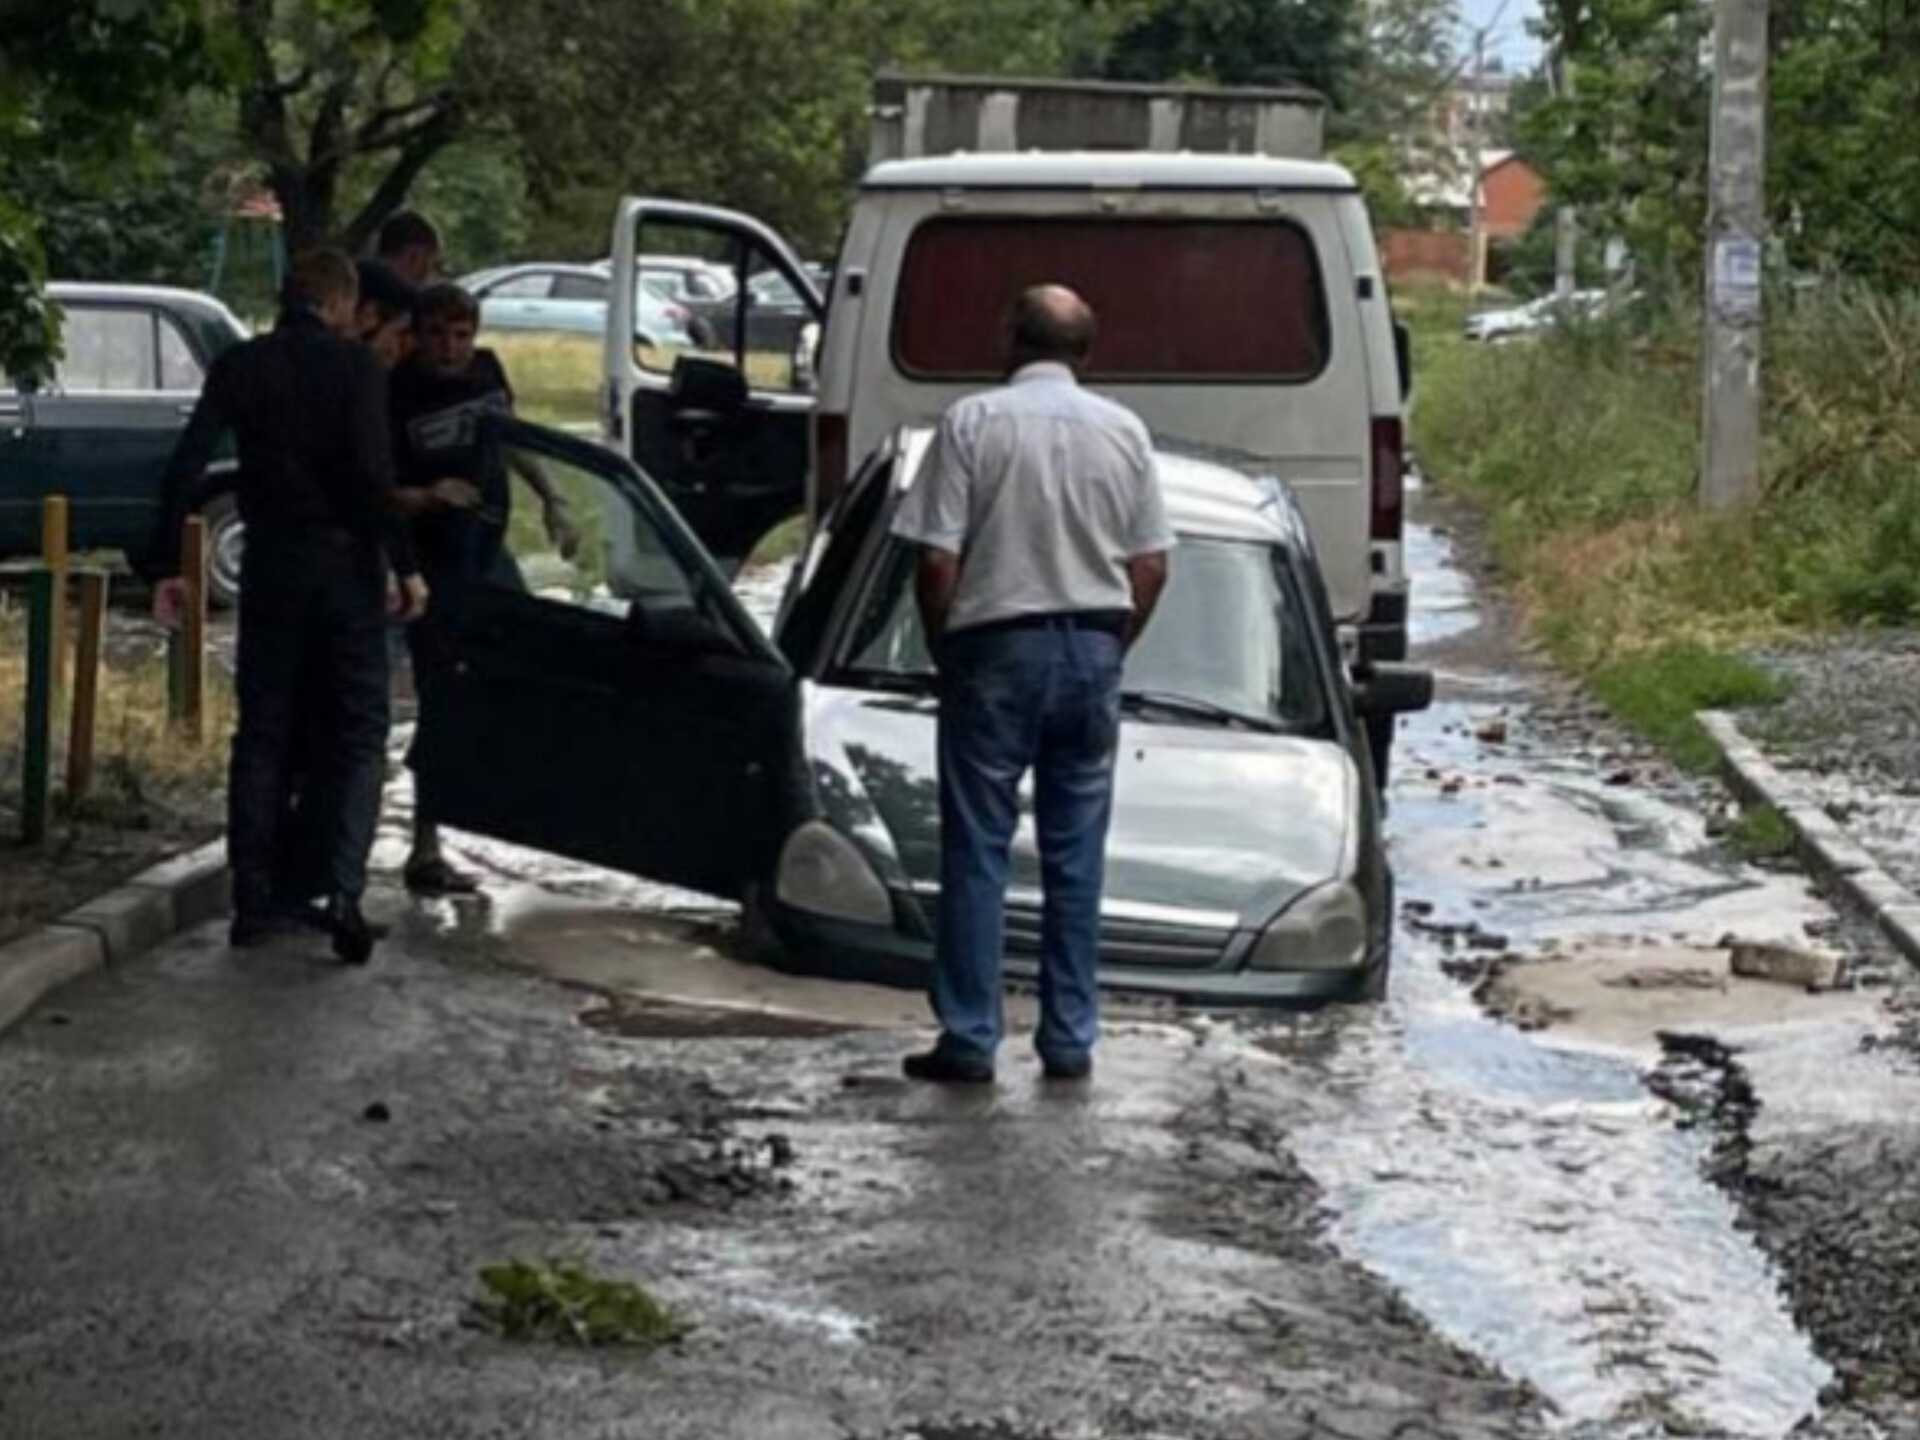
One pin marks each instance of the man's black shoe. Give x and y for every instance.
(1078, 1067)
(943, 1068)
(352, 936)
(314, 915)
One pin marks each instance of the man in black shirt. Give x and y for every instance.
(327, 555)
(455, 490)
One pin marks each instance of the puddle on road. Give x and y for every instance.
(1530, 1198)
(636, 1017)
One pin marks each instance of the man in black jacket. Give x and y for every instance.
(327, 555)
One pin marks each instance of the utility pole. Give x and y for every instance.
(1476, 223)
(1566, 220)
(1730, 416)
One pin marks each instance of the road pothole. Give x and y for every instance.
(637, 1018)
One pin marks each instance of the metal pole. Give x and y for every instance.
(56, 554)
(193, 628)
(1730, 414)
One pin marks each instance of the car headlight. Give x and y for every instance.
(823, 873)
(1325, 929)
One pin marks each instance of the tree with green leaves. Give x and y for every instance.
(75, 77)
(1315, 43)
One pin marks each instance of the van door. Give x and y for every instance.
(715, 417)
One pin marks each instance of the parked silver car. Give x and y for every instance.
(666, 736)
(573, 298)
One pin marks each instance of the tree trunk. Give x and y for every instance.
(306, 207)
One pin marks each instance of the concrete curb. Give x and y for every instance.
(113, 928)
(1826, 848)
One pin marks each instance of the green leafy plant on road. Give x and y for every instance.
(560, 1301)
(1761, 833)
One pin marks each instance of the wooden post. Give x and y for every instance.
(56, 556)
(37, 752)
(86, 683)
(192, 678)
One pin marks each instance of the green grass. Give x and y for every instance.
(1657, 692)
(1581, 450)
(1762, 833)
(559, 1301)
(555, 377)
(783, 542)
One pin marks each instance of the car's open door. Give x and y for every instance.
(602, 694)
(719, 418)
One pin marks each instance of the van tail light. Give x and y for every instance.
(829, 457)
(1389, 477)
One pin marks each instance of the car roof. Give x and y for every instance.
(168, 296)
(1099, 170)
(1207, 493)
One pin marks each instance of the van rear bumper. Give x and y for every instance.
(1383, 634)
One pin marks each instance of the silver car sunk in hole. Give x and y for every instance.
(1245, 864)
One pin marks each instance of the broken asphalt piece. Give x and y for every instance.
(1784, 965)
(1491, 732)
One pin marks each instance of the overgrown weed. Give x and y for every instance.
(1581, 448)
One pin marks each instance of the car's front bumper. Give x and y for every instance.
(814, 945)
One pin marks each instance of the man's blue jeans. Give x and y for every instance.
(1045, 697)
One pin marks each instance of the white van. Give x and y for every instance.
(1241, 307)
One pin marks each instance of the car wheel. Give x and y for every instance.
(226, 543)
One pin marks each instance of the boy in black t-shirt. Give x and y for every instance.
(455, 492)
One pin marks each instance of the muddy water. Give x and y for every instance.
(1526, 1193)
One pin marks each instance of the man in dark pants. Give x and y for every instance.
(382, 321)
(1043, 550)
(307, 406)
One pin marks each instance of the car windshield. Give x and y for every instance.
(1230, 639)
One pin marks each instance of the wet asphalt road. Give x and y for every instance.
(1408, 1220)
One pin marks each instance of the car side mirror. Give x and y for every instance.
(1403, 356)
(1391, 689)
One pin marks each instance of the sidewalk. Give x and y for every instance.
(1840, 759)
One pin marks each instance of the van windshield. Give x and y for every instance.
(1177, 300)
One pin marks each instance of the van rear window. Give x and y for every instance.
(1176, 299)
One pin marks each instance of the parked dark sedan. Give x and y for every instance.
(102, 431)
(624, 710)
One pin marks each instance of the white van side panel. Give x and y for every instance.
(1314, 435)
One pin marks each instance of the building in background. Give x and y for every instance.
(1512, 194)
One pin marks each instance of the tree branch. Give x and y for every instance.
(424, 141)
(372, 133)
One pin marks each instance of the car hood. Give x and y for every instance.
(1227, 826)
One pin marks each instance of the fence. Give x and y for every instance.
(50, 594)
